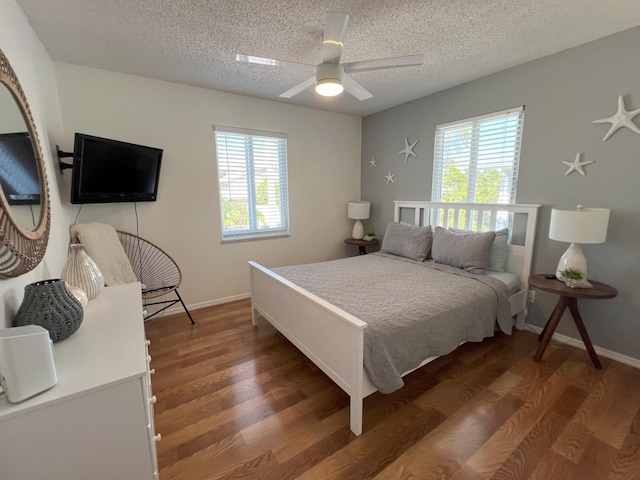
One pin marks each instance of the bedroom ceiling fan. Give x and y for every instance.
(331, 76)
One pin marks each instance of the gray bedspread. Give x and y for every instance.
(413, 310)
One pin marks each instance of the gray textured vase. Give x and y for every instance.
(51, 305)
(81, 271)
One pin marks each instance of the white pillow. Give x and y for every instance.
(101, 242)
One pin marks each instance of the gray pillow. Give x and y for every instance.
(499, 249)
(469, 251)
(407, 241)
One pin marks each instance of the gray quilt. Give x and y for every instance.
(414, 310)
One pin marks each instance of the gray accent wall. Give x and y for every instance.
(562, 94)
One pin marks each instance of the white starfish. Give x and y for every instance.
(576, 165)
(373, 162)
(408, 149)
(622, 118)
(389, 177)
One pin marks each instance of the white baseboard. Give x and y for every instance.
(574, 342)
(177, 308)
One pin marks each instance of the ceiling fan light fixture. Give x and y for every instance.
(329, 87)
(332, 77)
(329, 79)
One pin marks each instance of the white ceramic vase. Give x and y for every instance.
(80, 294)
(81, 271)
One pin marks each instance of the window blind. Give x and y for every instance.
(476, 160)
(252, 181)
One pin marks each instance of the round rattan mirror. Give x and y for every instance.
(22, 242)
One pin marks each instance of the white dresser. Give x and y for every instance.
(97, 422)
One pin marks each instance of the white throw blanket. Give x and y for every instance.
(103, 245)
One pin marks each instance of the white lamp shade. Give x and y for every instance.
(580, 225)
(359, 210)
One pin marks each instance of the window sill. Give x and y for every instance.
(253, 238)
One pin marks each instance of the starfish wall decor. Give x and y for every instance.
(576, 165)
(622, 118)
(389, 177)
(408, 149)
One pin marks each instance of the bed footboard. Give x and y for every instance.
(330, 337)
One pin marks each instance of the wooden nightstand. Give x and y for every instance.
(569, 298)
(362, 244)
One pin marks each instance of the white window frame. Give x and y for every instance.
(224, 163)
(504, 153)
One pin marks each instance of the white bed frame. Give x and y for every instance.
(333, 339)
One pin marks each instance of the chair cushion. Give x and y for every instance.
(102, 244)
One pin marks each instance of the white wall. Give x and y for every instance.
(34, 70)
(324, 172)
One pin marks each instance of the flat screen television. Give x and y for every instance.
(19, 169)
(108, 171)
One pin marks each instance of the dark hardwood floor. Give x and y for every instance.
(238, 402)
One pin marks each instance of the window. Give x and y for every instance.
(252, 179)
(476, 160)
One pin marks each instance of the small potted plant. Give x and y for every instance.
(574, 278)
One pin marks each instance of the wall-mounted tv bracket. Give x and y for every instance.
(63, 166)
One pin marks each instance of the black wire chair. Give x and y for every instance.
(158, 273)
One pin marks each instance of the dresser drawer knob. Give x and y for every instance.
(153, 400)
(157, 438)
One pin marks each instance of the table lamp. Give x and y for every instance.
(582, 225)
(358, 210)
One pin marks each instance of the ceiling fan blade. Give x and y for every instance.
(334, 28)
(355, 89)
(383, 63)
(270, 61)
(298, 88)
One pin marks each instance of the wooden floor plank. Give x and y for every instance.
(554, 465)
(502, 444)
(452, 393)
(614, 425)
(524, 459)
(626, 460)
(578, 433)
(205, 464)
(381, 445)
(316, 434)
(454, 441)
(239, 402)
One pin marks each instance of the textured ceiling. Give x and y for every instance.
(194, 42)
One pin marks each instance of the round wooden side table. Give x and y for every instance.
(568, 298)
(362, 244)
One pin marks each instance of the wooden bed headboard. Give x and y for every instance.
(480, 217)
